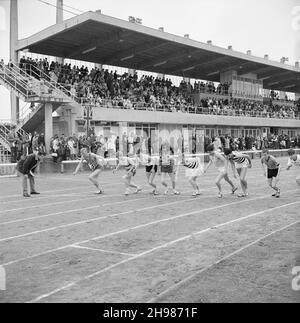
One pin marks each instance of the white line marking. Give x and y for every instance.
(143, 254)
(89, 220)
(51, 191)
(89, 208)
(127, 230)
(62, 202)
(171, 288)
(64, 225)
(102, 250)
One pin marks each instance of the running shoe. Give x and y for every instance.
(243, 195)
(166, 191)
(176, 192)
(138, 190)
(155, 192)
(234, 190)
(100, 192)
(277, 194)
(195, 194)
(220, 195)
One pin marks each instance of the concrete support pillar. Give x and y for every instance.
(48, 125)
(73, 123)
(71, 117)
(123, 130)
(267, 93)
(226, 77)
(59, 19)
(14, 35)
(131, 71)
(282, 95)
(59, 11)
(99, 66)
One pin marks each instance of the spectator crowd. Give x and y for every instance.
(127, 91)
(68, 148)
(109, 89)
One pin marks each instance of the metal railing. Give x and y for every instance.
(181, 108)
(4, 155)
(36, 73)
(27, 116)
(22, 86)
(4, 132)
(56, 89)
(5, 128)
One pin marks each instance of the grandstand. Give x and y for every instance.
(242, 95)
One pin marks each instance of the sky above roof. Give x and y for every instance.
(264, 26)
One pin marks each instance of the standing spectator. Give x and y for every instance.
(71, 146)
(35, 141)
(42, 144)
(13, 140)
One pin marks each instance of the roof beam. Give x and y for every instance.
(169, 57)
(281, 79)
(256, 70)
(135, 50)
(96, 41)
(270, 72)
(294, 89)
(210, 61)
(280, 85)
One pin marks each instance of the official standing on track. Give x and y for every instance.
(27, 168)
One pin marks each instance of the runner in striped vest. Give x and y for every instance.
(240, 164)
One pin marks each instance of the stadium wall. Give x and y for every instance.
(134, 116)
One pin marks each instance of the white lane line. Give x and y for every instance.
(89, 208)
(89, 220)
(102, 250)
(168, 244)
(64, 202)
(51, 191)
(56, 203)
(61, 202)
(129, 229)
(81, 188)
(64, 225)
(191, 277)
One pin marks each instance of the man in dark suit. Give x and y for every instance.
(27, 168)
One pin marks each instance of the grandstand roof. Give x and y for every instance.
(97, 38)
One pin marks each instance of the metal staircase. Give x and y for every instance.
(5, 128)
(32, 85)
(36, 88)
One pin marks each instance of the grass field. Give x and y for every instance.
(69, 245)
